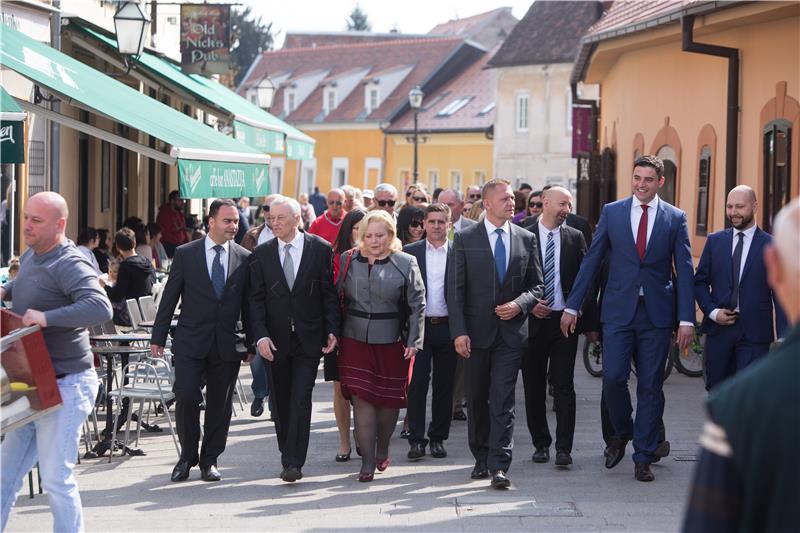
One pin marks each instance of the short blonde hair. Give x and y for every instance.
(386, 219)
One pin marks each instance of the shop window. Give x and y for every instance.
(703, 191)
(777, 171)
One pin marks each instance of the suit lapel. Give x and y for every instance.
(305, 260)
(627, 207)
(275, 257)
(752, 253)
(659, 226)
(727, 246)
(206, 275)
(513, 245)
(422, 261)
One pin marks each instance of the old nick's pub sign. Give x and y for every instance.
(205, 38)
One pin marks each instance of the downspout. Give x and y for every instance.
(732, 119)
(55, 127)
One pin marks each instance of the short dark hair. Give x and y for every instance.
(523, 186)
(86, 235)
(652, 162)
(491, 184)
(535, 193)
(438, 208)
(174, 194)
(436, 192)
(125, 240)
(216, 204)
(547, 187)
(154, 229)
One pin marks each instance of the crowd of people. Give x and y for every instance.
(452, 292)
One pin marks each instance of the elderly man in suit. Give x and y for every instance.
(494, 280)
(438, 353)
(294, 314)
(731, 287)
(561, 249)
(644, 236)
(209, 276)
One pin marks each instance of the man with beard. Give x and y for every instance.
(731, 288)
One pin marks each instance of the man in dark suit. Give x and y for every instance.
(294, 313)
(209, 276)
(494, 280)
(644, 236)
(731, 288)
(438, 352)
(561, 249)
(573, 221)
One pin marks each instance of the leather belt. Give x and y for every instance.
(373, 316)
(436, 320)
(61, 376)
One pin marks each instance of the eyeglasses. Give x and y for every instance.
(537, 205)
(334, 202)
(384, 203)
(415, 224)
(419, 199)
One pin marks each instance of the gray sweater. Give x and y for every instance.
(64, 285)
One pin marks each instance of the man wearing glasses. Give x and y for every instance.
(328, 223)
(386, 198)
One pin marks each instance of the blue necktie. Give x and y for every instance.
(218, 272)
(500, 255)
(549, 269)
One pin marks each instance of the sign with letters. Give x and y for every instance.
(205, 38)
(218, 179)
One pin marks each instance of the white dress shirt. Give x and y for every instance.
(265, 235)
(457, 225)
(490, 230)
(558, 303)
(211, 254)
(296, 251)
(746, 242)
(435, 266)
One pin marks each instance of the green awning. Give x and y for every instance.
(252, 125)
(210, 164)
(12, 130)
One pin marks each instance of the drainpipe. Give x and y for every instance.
(732, 120)
(55, 128)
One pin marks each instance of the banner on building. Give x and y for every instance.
(205, 38)
(584, 129)
(218, 179)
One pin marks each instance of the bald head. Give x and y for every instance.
(336, 201)
(556, 205)
(740, 208)
(45, 219)
(743, 193)
(783, 260)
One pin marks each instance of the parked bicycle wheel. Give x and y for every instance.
(690, 363)
(593, 358)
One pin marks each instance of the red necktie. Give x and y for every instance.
(641, 235)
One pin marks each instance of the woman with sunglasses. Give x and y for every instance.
(417, 196)
(409, 224)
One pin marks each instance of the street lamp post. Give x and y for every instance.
(265, 91)
(415, 100)
(131, 24)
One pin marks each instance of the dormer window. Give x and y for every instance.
(291, 100)
(372, 97)
(329, 99)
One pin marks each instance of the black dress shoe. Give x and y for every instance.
(257, 407)
(499, 480)
(291, 474)
(541, 455)
(563, 458)
(437, 449)
(480, 471)
(343, 457)
(210, 473)
(661, 451)
(416, 452)
(459, 415)
(181, 470)
(615, 451)
(642, 472)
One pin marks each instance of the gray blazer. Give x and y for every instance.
(373, 299)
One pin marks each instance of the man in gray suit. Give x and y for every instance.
(494, 280)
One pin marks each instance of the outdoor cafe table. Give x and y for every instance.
(150, 323)
(124, 349)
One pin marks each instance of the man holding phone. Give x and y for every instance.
(730, 286)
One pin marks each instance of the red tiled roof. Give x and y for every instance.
(462, 26)
(425, 55)
(624, 13)
(550, 32)
(313, 39)
(475, 82)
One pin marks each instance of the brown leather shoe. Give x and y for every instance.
(642, 472)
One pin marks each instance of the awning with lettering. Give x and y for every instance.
(12, 130)
(210, 164)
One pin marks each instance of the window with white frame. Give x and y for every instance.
(479, 177)
(521, 111)
(340, 172)
(455, 180)
(373, 168)
(329, 99)
(308, 175)
(433, 178)
(372, 97)
(276, 165)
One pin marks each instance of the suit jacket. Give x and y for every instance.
(311, 304)
(572, 251)
(418, 249)
(474, 290)
(713, 286)
(668, 243)
(466, 222)
(205, 322)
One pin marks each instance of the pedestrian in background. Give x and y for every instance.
(328, 223)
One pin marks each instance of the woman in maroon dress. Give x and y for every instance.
(383, 326)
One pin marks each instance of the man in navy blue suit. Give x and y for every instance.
(731, 288)
(643, 236)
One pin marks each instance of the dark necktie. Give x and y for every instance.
(288, 266)
(500, 255)
(550, 269)
(641, 235)
(218, 272)
(737, 267)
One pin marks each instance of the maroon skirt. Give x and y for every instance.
(376, 373)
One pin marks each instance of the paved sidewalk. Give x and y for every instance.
(135, 494)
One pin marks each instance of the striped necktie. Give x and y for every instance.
(549, 269)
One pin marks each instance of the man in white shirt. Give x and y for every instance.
(438, 352)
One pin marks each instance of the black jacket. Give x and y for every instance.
(134, 280)
(206, 322)
(312, 305)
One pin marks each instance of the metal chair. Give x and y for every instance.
(134, 312)
(148, 307)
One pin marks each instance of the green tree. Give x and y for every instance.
(358, 21)
(250, 37)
